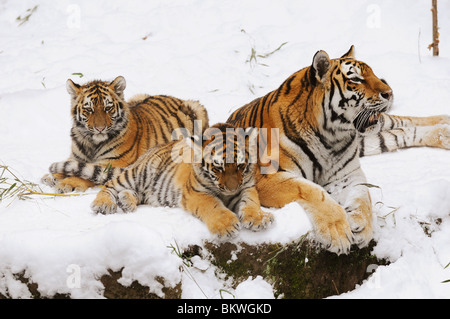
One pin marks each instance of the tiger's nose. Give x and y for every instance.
(100, 128)
(386, 95)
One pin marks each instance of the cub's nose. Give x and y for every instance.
(231, 184)
(100, 128)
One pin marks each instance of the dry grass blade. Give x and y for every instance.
(25, 19)
(266, 55)
(12, 187)
(254, 56)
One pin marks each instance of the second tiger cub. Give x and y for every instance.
(221, 192)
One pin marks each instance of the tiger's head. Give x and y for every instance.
(227, 160)
(356, 95)
(98, 108)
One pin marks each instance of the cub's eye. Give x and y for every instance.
(246, 169)
(87, 106)
(216, 163)
(108, 105)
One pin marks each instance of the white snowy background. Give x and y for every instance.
(201, 49)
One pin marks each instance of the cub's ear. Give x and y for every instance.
(118, 85)
(320, 65)
(251, 134)
(72, 88)
(350, 53)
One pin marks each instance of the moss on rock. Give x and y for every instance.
(296, 270)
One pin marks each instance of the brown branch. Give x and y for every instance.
(435, 44)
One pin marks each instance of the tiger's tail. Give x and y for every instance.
(196, 111)
(93, 172)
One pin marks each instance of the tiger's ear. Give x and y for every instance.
(350, 53)
(118, 85)
(72, 88)
(321, 65)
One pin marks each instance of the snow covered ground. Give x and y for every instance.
(202, 50)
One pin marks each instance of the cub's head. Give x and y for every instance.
(356, 94)
(227, 159)
(98, 108)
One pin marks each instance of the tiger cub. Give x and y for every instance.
(219, 188)
(113, 133)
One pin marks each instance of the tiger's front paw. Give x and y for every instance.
(359, 216)
(104, 203)
(224, 224)
(332, 229)
(361, 227)
(255, 219)
(441, 136)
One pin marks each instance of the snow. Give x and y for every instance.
(201, 50)
(256, 288)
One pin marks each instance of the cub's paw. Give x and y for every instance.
(71, 184)
(104, 203)
(51, 179)
(332, 229)
(128, 201)
(254, 219)
(224, 223)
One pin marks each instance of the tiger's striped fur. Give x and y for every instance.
(113, 133)
(324, 112)
(397, 132)
(221, 194)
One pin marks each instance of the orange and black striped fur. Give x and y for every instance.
(327, 115)
(217, 187)
(113, 133)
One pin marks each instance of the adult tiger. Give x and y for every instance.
(113, 133)
(327, 115)
(218, 187)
